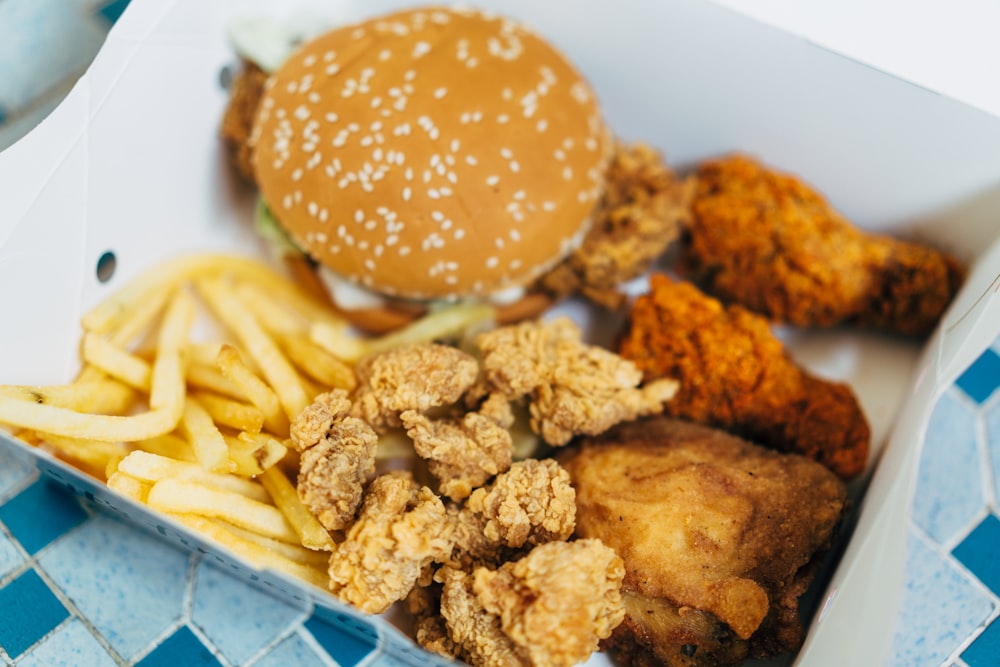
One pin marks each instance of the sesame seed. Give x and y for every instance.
(542, 125)
(492, 180)
(503, 118)
(433, 194)
(471, 160)
(506, 153)
(519, 195)
(515, 166)
(406, 194)
(567, 173)
(421, 48)
(404, 250)
(385, 54)
(492, 262)
(454, 145)
(459, 234)
(440, 93)
(370, 264)
(376, 102)
(331, 70)
(314, 97)
(548, 206)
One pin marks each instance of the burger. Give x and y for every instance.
(428, 156)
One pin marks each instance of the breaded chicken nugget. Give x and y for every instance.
(735, 374)
(771, 243)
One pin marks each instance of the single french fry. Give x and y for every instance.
(129, 486)
(234, 414)
(204, 354)
(95, 453)
(174, 495)
(253, 388)
(109, 428)
(308, 527)
(293, 552)
(170, 446)
(316, 363)
(276, 317)
(210, 379)
(258, 555)
(100, 396)
(166, 386)
(448, 321)
(253, 453)
(152, 468)
(337, 340)
(116, 362)
(206, 440)
(258, 344)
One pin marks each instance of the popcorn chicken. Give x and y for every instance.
(418, 376)
(401, 529)
(573, 388)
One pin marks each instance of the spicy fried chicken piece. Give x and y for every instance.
(530, 504)
(419, 376)
(709, 522)
(557, 602)
(572, 387)
(643, 206)
(769, 242)
(736, 375)
(337, 459)
(401, 529)
(245, 91)
(463, 454)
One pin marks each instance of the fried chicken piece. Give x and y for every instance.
(245, 91)
(643, 206)
(477, 634)
(418, 376)
(736, 375)
(771, 243)
(704, 521)
(572, 387)
(338, 457)
(530, 504)
(463, 454)
(557, 602)
(401, 529)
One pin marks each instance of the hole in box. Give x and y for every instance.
(106, 265)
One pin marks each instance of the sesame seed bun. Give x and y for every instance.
(432, 153)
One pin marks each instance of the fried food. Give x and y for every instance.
(572, 387)
(736, 375)
(768, 241)
(549, 608)
(402, 528)
(416, 376)
(643, 207)
(245, 91)
(718, 537)
(463, 454)
(530, 504)
(338, 458)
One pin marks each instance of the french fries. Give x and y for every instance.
(199, 429)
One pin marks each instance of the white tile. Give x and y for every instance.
(69, 646)
(44, 41)
(15, 473)
(128, 583)
(10, 555)
(237, 618)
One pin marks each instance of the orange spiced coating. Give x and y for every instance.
(734, 374)
(769, 242)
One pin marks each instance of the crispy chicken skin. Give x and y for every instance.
(643, 207)
(401, 529)
(338, 458)
(245, 91)
(735, 374)
(718, 536)
(768, 241)
(549, 608)
(572, 387)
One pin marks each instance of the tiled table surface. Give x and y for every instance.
(79, 586)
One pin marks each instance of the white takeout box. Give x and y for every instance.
(130, 164)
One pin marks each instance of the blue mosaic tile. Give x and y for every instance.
(982, 378)
(345, 647)
(980, 552)
(939, 610)
(261, 618)
(180, 648)
(941, 507)
(10, 556)
(72, 644)
(984, 651)
(15, 471)
(40, 514)
(28, 611)
(293, 650)
(129, 584)
(112, 11)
